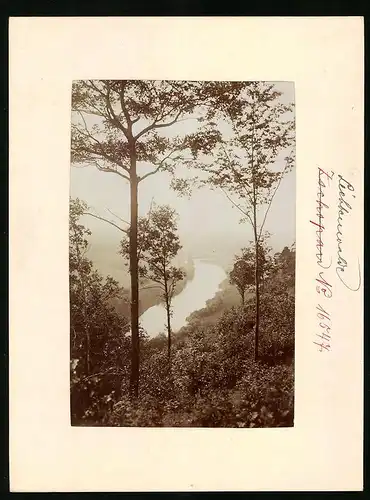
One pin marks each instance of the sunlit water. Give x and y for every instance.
(204, 285)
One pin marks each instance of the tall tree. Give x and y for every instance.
(158, 245)
(247, 164)
(117, 124)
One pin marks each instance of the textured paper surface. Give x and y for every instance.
(324, 57)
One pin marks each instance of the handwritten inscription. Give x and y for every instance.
(346, 192)
(324, 336)
(344, 267)
(324, 261)
(323, 286)
(323, 182)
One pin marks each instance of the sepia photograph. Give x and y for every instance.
(186, 254)
(182, 255)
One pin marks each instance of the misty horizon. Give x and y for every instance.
(208, 224)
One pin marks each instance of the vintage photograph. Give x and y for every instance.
(182, 253)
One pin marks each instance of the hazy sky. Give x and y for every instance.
(206, 215)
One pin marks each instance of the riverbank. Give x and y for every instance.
(194, 296)
(224, 299)
(152, 296)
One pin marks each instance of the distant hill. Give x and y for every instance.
(104, 247)
(108, 261)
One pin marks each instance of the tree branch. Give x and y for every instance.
(235, 204)
(114, 117)
(124, 109)
(88, 135)
(160, 164)
(108, 221)
(156, 125)
(150, 173)
(122, 220)
(236, 173)
(108, 169)
(89, 112)
(156, 280)
(272, 197)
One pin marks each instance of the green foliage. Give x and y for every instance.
(158, 245)
(283, 270)
(262, 398)
(263, 129)
(277, 324)
(214, 380)
(132, 115)
(242, 274)
(99, 343)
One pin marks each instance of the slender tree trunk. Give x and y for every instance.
(168, 310)
(257, 285)
(242, 294)
(256, 275)
(87, 351)
(256, 280)
(169, 333)
(134, 376)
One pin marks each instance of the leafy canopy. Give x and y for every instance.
(158, 245)
(246, 163)
(130, 119)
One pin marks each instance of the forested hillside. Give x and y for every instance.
(213, 380)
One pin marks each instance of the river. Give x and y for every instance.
(203, 286)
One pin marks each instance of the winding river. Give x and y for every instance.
(203, 286)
